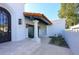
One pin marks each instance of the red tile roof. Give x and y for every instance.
(38, 15)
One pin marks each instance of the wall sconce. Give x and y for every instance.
(20, 21)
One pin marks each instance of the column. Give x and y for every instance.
(36, 38)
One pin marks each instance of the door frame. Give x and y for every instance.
(33, 29)
(9, 24)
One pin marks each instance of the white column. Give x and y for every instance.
(36, 38)
(35, 29)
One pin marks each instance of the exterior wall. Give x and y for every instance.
(72, 38)
(42, 29)
(56, 28)
(16, 10)
(27, 21)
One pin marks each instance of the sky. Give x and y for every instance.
(50, 10)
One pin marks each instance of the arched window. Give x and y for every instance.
(5, 25)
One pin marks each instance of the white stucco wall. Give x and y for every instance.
(20, 29)
(72, 38)
(56, 28)
(16, 10)
(42, 29)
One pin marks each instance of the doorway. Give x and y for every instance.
(5, 25)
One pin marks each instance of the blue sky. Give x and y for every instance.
(48, 9)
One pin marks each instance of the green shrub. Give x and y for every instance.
(58, 40)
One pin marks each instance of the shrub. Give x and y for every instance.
(58, 40)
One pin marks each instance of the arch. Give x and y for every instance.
(7, 7)
(5, 25)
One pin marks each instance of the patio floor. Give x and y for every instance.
(29, 47)
(48, 49)
(23, 47)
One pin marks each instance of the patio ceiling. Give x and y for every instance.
(38, 16)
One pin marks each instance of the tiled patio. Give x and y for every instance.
(19, 47)
(29, 47)
(47, 49)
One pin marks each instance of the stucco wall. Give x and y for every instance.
(56, 28)
(16, 10)
(18, 14)
(72, 38)
(42, 29)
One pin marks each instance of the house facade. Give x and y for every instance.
(16, 25)
(15, 32)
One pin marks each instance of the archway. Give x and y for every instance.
(5, 25)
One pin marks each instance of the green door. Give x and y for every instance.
(31, 31)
